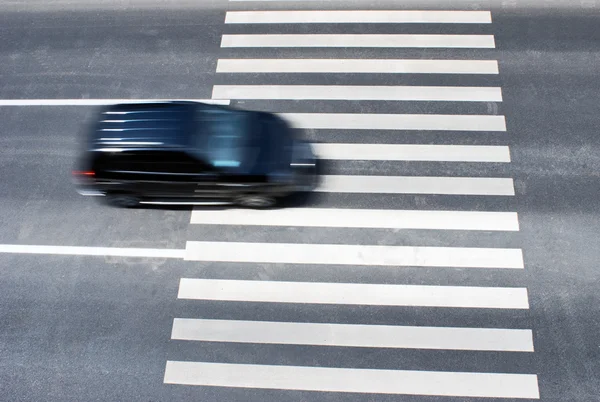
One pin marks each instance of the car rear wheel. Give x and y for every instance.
(255, 201)
(122, 200)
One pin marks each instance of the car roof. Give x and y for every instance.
(152, 125)
(143, 125)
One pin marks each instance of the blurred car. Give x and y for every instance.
(187, 152)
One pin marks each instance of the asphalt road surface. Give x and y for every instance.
(451, 255)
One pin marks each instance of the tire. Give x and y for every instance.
(122, 200)
(255, 201)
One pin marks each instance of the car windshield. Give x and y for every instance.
(222, 137)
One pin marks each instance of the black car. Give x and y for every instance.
(188, 152)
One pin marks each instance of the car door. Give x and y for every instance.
(215, 140)
(205, 178)
(168, 174)
(119, 172)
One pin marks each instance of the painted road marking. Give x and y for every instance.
(368, 336)
(98, 102)
(360, 40)
(359, 294)
(380, 121)
(440, 383)
(413, 152)
(378, 66)
(360, 218)
(92, 251)
(358, 16)
(358, 92)
(345, 254)
(488, 186)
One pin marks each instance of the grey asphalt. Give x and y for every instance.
(98, 328)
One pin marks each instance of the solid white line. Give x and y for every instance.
(304, 378)
(353, 294)
(93, 251)
(358, 92)
(359, 40)
(358, 16)
(488, 186)
(361, 218)
(380, 121)
(413, 152)
(345, 254)
(97, 102)
(369, 336)
(380, 66)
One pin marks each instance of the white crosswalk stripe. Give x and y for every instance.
(371, 336)
(358, 16)
(379, 66)
(329, 379)
(435, 117)
(361, 218)
(364, 40)
(345, 254)
(361, 294)
(358, 92)
(416, 185)
(413, 152)
(380, 121)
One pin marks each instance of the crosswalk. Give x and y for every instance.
(331, 74)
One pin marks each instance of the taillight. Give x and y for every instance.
(83, 176)
(86, 173)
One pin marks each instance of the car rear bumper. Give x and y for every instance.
(87, 189)
(90, 193)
